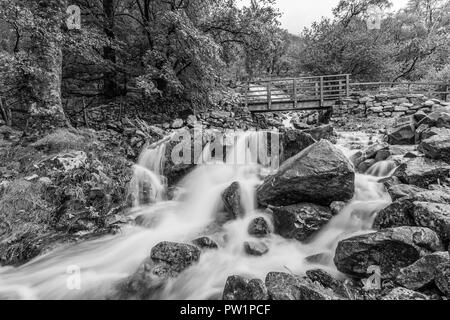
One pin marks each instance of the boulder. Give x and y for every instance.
(397, 191)
(232, 200)
(322, 132)
(435, 216)
(442, 278)
(422, 172)
(284, 286)
(293, 141)
(328, 281)
(402, 135)
(437, 147)
(404, 294)
(205, 243)
(319, 174)
(397, 214)
(178, 256)
(255, 248)
(166, 261)
(443, 121)
(389, 249)
(300, 221)
(337, 206)
(258, 227)
(422, 272)
(240, 288)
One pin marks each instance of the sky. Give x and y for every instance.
(298, 14)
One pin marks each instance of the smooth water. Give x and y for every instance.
(104, 262)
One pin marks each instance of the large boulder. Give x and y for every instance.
(328, 281)
(435, 216)
(300, 221)
(397, 214)
(322, 132)
(319, 174)
(232, 200)
(389, 249)
(166, 261)
(293, 141)
(437, 147)
(402, 135)
(422, 272)
(442, 278)
(422, 172)
(240, 288)
(285, 286)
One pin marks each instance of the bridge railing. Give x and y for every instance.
(294, 90)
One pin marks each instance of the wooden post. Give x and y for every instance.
(269, 94)
(321, 91)
(347, 85)
(294, 82)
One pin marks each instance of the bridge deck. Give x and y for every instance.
(304, 93)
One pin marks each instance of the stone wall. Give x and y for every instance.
(384, 105)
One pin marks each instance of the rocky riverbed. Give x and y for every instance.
(349, 215)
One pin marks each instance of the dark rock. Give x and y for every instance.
(366, 165)
(232, 200)
(422, 272)
(319, 174)
(258, 227)
(294, 141)
(437, 147)
(284, 286)
(397, 191)
(178, 256)
(397, 214)
(422, 172)
(322, 132)
(337, 206)
(320, 258)
(443, 121)
(300, 221)
(382, 155)
(442, 278)
(402, 135)
(390, 249)
(205, 243)
(435, 216)
(255, 248)
(328, 281)
(404, 294)
(240, 288)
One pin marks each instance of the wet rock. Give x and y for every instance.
(422, 172)
(284, 286)
(259, 227)
(422, 272)
(404, 294)
(294, 141)
(205, 243)
(328, 281)
(402, 135)
(437, 147)
(435, 216)
(320, 258)
(382, 155)
(300, 221)
(443, 121)
(255, 248)
(337, 206)
(319, 174)
(178, 256)
(389, 249)
(414, 193)
(240, 288)
(232, 200)
(442, 278)
(322, 132)
(397, 191)
(397, 214)
(366, 165)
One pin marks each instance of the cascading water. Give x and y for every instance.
(106, 261)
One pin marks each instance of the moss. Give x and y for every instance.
(63, 140)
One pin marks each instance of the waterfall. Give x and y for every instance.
(104, 262)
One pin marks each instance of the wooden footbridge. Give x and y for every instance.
(305, 93)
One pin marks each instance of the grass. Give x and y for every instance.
(63, 140)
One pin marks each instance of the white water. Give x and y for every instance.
(106, 261)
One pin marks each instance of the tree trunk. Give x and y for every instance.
(109, 82)
(45, 107)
